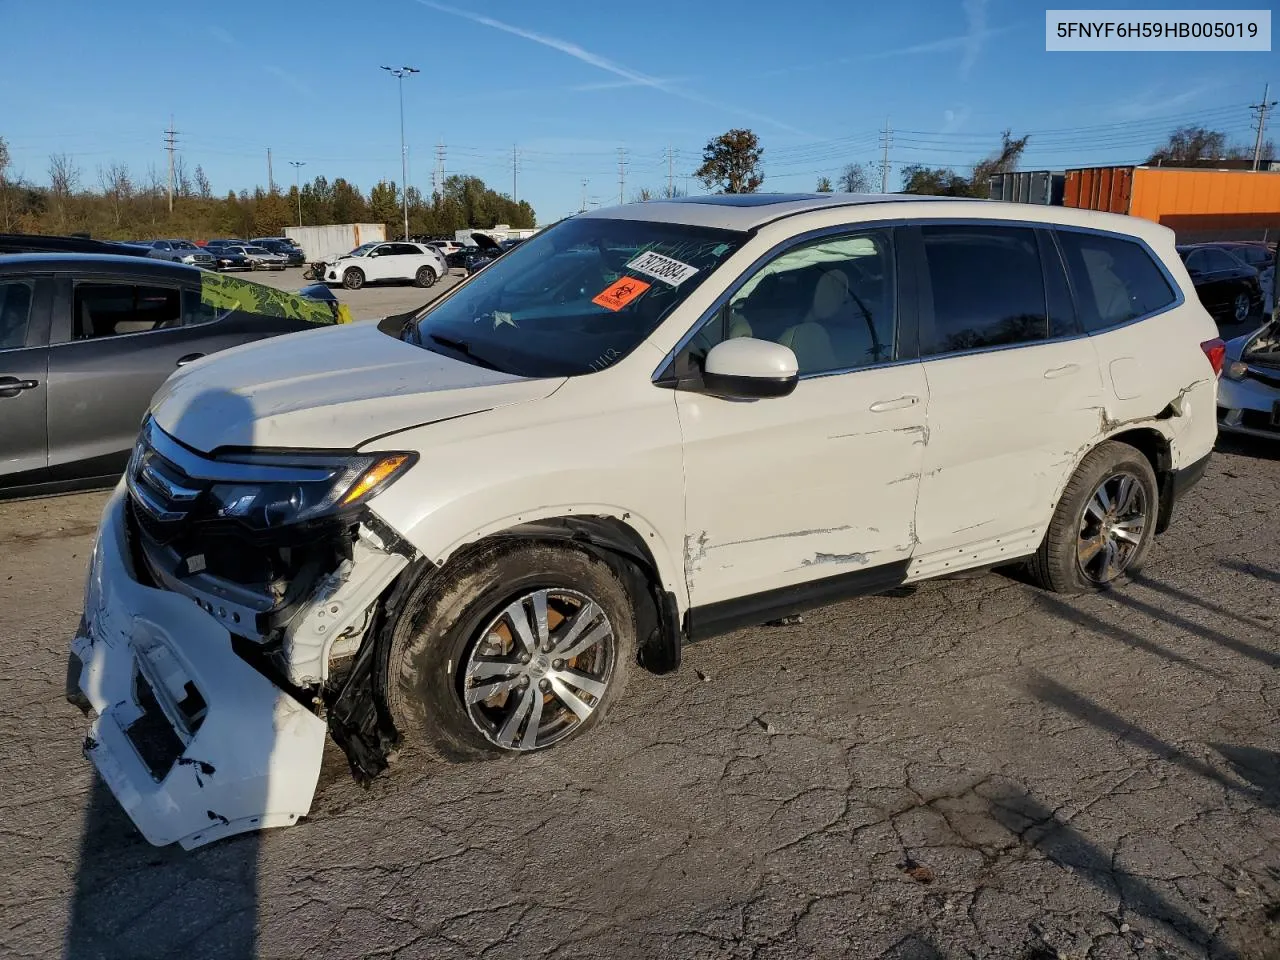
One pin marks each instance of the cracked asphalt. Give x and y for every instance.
(976, 769)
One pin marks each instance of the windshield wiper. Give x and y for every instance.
(464, 348)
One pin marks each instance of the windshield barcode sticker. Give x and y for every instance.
(669, 271)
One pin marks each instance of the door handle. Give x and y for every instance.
(183, 361)
(12, 386)
(1064, 371)
(901, 403)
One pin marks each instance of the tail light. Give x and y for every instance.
(1216, 351)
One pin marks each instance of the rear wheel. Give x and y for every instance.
(425, 277)
(353, 278)
(1240, 307)
(1104, 524)
(526, 646)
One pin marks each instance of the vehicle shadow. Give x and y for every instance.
(1252, 570)
(1244, 445)
(1039, 828)
(1268, 658)
(134, 900)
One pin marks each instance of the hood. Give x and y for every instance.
(485, 242)
(335, 387)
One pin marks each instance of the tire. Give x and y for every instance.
(353, 278)
(1078, 553)
(1241, 308)
(447, 633)
(425, 277)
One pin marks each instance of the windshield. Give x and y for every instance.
(256, 250)
(575, 299)
(361, 250)
(184, 245)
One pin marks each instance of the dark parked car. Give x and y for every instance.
(44, 243)
(294, 253)
(1228, 287)
(229, 258)
(486, 251)
(86, 339)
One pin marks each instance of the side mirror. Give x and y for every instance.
(745, 368)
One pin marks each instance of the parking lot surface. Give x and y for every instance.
(975, 769)
(369, 303)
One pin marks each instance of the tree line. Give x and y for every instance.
(732, 163)
(118, 204)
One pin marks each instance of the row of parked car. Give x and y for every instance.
(263, 253)
(1235, 280)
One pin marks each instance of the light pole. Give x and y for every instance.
(297, 184)
(400, 74)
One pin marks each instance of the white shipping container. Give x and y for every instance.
(335, 239)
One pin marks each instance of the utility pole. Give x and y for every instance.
(584, 196)
(297, 184)
(171, 144)
(437, 180)
(886, 141)
(515, 165)
(400, 74)
(1261, 110)
(622, 172)
(271, 180)
(671, 161)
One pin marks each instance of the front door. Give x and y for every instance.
(812, 494)
(24, 376)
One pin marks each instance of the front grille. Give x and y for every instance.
(161, 492)
(1258, 420)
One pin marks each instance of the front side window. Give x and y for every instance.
(988, 289)
(15, 313)
(1115, 280)
(575, 299)
(113, 309)
(831, 301)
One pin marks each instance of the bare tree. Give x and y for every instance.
(202, 183)
(64, 179)
(824, 184)
(643, 195)
(116, 187)
(5, 203)
(853, 179)
(671, 192)
(181, 181)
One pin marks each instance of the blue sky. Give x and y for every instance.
(568, 82)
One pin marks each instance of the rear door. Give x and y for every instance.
(24, 375)
(1014, 390)
(119, 339)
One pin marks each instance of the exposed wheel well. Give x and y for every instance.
(613, 541)
(1153, 445)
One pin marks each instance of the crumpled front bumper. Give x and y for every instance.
(245, 758)
(1249, 407)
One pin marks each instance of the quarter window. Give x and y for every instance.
(15, 314)
(112, 309)
(831, 301)
(1115, 280)
(988, 289)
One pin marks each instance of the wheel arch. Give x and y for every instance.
(1156, 445)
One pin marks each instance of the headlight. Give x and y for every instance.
(297, 488)
(1235, 370)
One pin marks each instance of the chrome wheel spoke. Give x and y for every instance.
(530, 738)
(577, 678)
(540, 615)
(519, 620)
(577, 623)
(486, 690)
(1110, 555)
(570, 699)
(586, 642)
(1128, 536)
(482, 668)
(1126, 494)
(507, 735)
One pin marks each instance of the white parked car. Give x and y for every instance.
(646, 425)
(398, 260)
(1249, 392)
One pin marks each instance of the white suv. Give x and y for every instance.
(399, 261)
(464, 527)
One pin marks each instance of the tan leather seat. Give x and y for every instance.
(810, 339)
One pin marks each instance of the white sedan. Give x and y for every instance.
(406, 262)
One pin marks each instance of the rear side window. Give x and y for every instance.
(113, 309)
(988, 288)
(15, 313)
(1115, 280)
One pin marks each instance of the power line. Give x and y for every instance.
(1261, 109)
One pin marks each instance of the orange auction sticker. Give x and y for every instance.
(619, 293)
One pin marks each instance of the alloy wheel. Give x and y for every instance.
(1241, 307)
(538, 669)
(1111, 527)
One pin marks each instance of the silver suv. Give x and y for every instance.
(181, 251)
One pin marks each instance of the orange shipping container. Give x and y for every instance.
(1190, 201)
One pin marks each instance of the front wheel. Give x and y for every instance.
(1240, 307)
(525, 646)
(425, 277)
(353, 278)
(1104, 523)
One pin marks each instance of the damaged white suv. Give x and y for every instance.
(462, 527)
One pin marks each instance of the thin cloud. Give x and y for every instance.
(975, 13)
(571, 49)
(1151, 102)
(953, 120)
(961, 41)
(290, 80)
(222, 36)
(621, 84)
